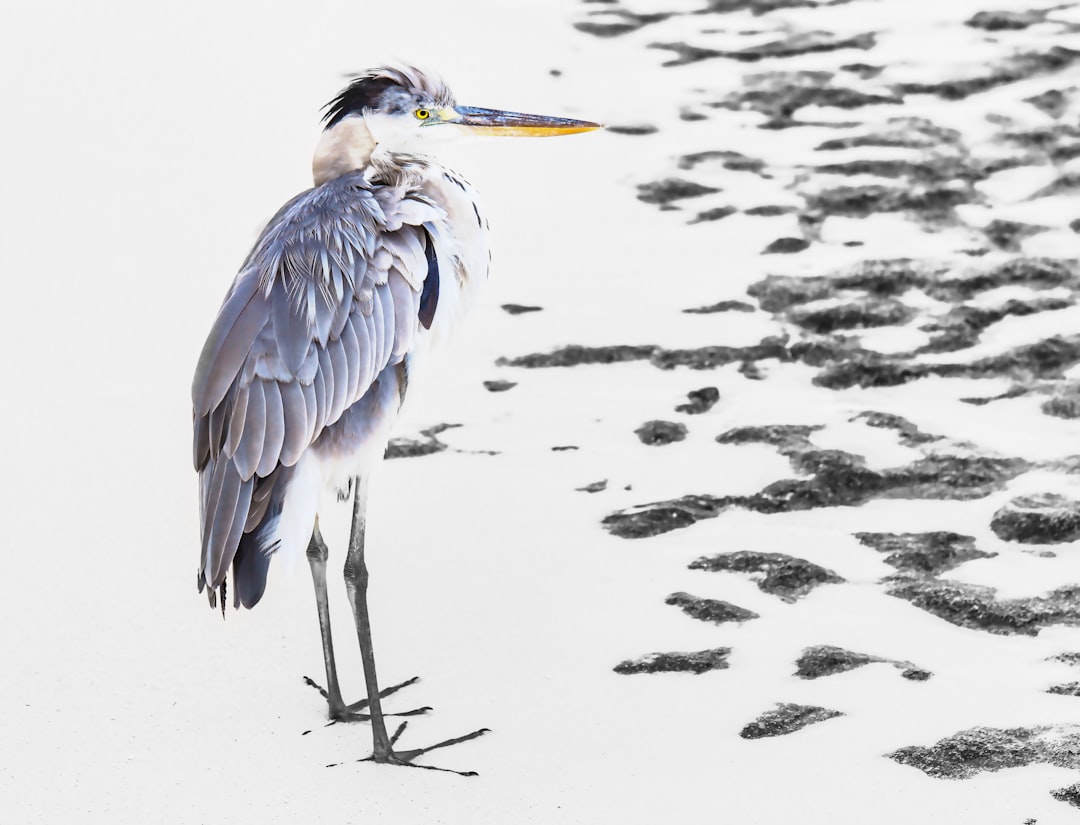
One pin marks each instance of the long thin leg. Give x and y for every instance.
(356, 582)
(317, 554)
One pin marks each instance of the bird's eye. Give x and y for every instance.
(422, 114)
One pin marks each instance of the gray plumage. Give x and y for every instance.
(328, 300)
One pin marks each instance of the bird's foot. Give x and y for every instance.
(405, 758)
(340, 712)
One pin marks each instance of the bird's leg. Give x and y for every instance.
(317, 554)
(356, 582)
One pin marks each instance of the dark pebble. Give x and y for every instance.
(520, 309)
(786, 718)
(1053, 102)
(721, 306)
(778, 574)
(499, 385)
(659, 433)
(786, 246)
(672, 189)
(716, 214)
(701, 401)
(700, 662)
(710, 610)
(641, 129)
(594, 487)
(1046, 518)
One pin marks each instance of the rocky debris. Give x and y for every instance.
(1069, 794)
(1053, 102)
(520, 309)
(1045, 518)
(635, 129)
(827, 660)
(564, 448)
(786, 718)
(1071, 658)
(574, 355)
(663, 517)
(594, 487)
(1065, 405)
(721, 306)
(756, 7)
(779, 95)
(778, 574)
(972, 751)
(835, 478)
(786, 246)
(932, 203)
(616, 22)
(1067, 689)
(716, 214)
(910, 435)
(899, 132)
(928, 170)
(1041, 360)
(710, 610)
(733, 161)
(705, 358)
(701, 401)
(807, 42)
(772, 211)
(858, 314)
(994, 21)
(1009, 70)
(962, 325)
(669, 190)
(879, 278)
(787, 438)
(700, 662)
(978, 608)
(1007, 235)
(659, 433)
(499, 385)
(928, 554)
(404, 447)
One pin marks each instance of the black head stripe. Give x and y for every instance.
(362, 93)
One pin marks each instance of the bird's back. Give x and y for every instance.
(344, 286)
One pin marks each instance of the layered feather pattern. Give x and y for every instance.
(329, 297)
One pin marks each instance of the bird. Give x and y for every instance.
(346, 293)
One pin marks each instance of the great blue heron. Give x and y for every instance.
(311, 354)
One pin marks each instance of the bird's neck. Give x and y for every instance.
(343, 148)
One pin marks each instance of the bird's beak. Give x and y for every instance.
(515, 124)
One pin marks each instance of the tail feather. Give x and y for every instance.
(252, 560)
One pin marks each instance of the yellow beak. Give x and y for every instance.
(515, 124)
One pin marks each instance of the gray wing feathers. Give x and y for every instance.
(327, 299)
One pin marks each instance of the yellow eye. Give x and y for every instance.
(422, 114)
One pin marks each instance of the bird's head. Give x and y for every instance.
(404, 109)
